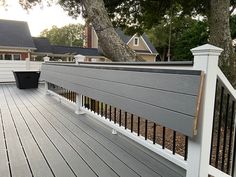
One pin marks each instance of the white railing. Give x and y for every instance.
(6, 68)
(197, 164)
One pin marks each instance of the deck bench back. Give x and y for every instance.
(168, 97)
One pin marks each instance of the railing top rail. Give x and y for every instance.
(162, 63)
(143, 68)
(226, 83)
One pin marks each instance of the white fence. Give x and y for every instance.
(6, 68)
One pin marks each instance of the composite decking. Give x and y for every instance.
(41, 137)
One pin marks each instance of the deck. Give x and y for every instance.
(42, 138)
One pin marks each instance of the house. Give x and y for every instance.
(140, 44)
(65, 53)
(16, 43)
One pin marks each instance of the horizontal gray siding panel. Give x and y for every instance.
(183, 83)
(170, 108)
(166, 100)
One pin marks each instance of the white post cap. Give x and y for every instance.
(46, 58)
(206, 49)
(79, 58)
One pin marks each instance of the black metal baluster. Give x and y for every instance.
(219, 128)
(138, 126)
(234, 150)
(87, 102)
(154, 133)
(163, 137)
(225, 133)
(110, 113)
(98, 107)
(132, 122)
(120, 118)
(82, 99)
(186, 148)
(91, 104)
(146, 128)
(101, 108)
(125, 120)
(174, 142)
(94, 106)
(230, 137)
(105, 111)
(115, 115)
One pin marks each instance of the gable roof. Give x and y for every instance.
(15, 34)
(42, 44)
(122, 35)
(149, 44)
(127, 38)
(56, 49)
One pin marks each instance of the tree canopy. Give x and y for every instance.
(186, 33)
(71, 35)
(139, 15)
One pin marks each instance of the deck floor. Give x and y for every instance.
(42, 138)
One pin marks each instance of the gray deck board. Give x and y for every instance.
(73, 161)
(44, 138)
(18, 160)
(120, 153)
(119, 146)
(57, 163)
(107, 156)
(99, 166)
(4, 168)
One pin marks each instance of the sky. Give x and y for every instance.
(38, 18)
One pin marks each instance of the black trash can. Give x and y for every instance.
(26, 79)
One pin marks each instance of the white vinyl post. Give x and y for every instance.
(205, 59)
(78, 104)
(46, 88)
(79, 58)
(27, 63)
(46, 59)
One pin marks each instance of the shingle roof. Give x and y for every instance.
(122, 35)
(75, 50)
(15, 34)
(42, 44)
(126, 39)
(148, 42)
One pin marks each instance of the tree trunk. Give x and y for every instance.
(113, 47)
(219, 28)
(220, 35)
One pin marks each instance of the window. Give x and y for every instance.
(16, 57)
(1, 56)
(7, 56)
(136, 41)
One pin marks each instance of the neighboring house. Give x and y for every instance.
(15, 40)
(66, 53)
(16, 43)
(140, 44)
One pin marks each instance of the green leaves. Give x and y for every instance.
(70, 35)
